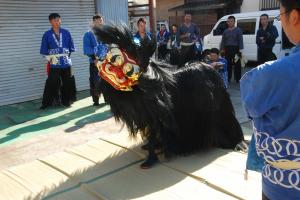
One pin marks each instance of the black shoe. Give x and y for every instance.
(149, 162)
(67, 105)
(96, 104)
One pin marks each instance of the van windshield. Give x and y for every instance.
(222, 26)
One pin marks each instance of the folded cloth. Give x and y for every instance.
(254, 162)
(187, 43)
(242, 58)
(53, 59)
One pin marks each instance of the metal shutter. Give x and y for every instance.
(269, 4)
(22, 24)
(114, 10)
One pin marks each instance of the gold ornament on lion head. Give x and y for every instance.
(119, 70)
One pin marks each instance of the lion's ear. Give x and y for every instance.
(117, 34)
(145, 51)
(149, 46)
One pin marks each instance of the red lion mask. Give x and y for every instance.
(119, 70)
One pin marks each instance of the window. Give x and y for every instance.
(222, 26)
(269, 5)
(247, 26)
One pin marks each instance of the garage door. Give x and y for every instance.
(22, 24)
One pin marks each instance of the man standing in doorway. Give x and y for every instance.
(232, 43)
(57, 45)
(189, 35)
(265, 40)
(91, 47)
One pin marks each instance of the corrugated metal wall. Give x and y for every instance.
(22, 24)
(113, 10)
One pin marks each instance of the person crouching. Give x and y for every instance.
(219, 64)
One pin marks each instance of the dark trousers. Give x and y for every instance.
(57, 94)
(94, 83)
(237, 71)
(265, 55)
(162, 51)
(174, 56)
(230, 52)
(57, 78)
(187, 54)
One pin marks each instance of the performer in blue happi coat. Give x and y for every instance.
(142, 34)
(270, 94)
(95, 50)
(57, 45)
(219, 64)
(144, 40)
(162, 38)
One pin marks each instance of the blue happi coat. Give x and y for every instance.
(223, 72)
(270, 95)
(91, 46)
(53, 44)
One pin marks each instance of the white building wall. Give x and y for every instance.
(250, 6)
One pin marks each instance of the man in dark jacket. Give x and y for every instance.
(265, 40)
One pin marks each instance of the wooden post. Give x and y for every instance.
(150, 2)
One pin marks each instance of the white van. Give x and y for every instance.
(249, 23)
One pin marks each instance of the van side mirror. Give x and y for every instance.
(215, 32)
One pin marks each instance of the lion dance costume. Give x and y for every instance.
(179, 112)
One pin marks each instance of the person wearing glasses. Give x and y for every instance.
(270, 94)
(265, 40)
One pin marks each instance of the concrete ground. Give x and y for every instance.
(27, 133)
